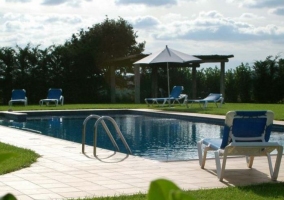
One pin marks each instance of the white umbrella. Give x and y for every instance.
(167, 55)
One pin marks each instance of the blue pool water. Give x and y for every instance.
(163, 139)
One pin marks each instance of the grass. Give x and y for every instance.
(265, 191)
(278, 109)
(14, 158)
(268, 191)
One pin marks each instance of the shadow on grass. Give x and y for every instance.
(268, 190)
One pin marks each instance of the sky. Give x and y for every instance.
(250, 30)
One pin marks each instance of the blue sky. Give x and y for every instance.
(249, 29)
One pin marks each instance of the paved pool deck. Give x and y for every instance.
(64, 172)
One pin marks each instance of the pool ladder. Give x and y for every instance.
(101, 119)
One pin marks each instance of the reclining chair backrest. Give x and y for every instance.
(247, 126)
(213, 97)
(176, 91)
(54, 94)
(18, 94)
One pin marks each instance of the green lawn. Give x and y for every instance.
(13, 158)
(265, 191)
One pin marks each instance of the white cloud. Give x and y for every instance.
(17, 1)
(171, 17)
(68, 19)
(43, 30)
(210, 14)
(147, 2)
(12, 26)
(213, 26)
(248, 16)
(265, 3)
(72, 3)
(53, 2)
(258, 3)
(277, 11)
(144, 22)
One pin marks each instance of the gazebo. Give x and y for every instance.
(222, 59)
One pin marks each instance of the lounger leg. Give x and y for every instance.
(185, 99)
(218, 164)
(155, 101)
(204, 105)
(177, 101)
(269, 164)
(277, 163)
(165, 102)
(249, 160)
(170, 102)
(147, 102)
(202, 155)
(199, 148)
(220, 170)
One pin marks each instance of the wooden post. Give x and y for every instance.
(193, 82)
(222, 79)
(154, 85)
(137, 83)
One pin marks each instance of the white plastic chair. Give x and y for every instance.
(174, 96)
(245, 133)
(211, 98)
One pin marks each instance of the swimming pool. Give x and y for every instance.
(157, 138)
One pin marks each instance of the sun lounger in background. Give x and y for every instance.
(53, 96)
(211, 98)
(175, 96)
(18, 95)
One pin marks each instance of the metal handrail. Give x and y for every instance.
(105, 127)
(101, 119)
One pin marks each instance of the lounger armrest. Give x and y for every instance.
(250, 148)
(254, 144)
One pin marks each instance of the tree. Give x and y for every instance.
(201, 91)
(265, 83)
(212, 80)
(93, 52)
(7, 65)
(244, 83)
(231, 86)
(280, 80)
